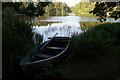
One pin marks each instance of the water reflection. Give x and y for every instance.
(64, 29)
(76, 18)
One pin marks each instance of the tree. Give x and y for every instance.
(83, 7)
(31, 9)
(106, 9)
(57, 8)
(40, 8)
(27, 8)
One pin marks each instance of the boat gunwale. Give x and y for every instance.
(48, 59)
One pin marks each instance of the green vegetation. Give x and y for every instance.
(16, 42)
(83, 8)
(57, 9)
(27, 8)
(37, 9)
(16, 36)
(106, 9)
(87, 25)
(94, 54)
(99, 9)
(49, 74)
(97, 41)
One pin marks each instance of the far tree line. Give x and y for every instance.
(99, 9)
(38, 8)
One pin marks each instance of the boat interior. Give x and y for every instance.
(54, 47)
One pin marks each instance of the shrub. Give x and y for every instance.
(97, 41)
(16, 41)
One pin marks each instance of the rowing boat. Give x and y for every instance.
(49, 52)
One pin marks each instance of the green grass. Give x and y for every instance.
(88, 25)
(16, 42)
(94, 54)
(103, 68)
(98, 40)
(86, 15)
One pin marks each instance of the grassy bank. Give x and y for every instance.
(16, 42)
(86, 15)
(87, 25)
(95, 54)
(97, 40)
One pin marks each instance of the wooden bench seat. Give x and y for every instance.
(60, 48)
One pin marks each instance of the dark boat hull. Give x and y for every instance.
(29, 66)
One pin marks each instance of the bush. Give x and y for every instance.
(16, 41)
(97, 41)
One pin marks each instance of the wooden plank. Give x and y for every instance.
(60, 38)
(56, 48)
